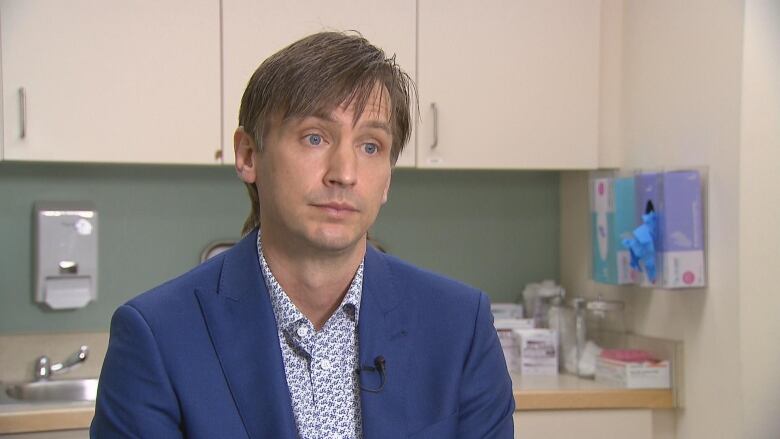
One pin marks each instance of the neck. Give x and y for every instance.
(316, 282)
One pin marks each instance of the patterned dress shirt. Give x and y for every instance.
(320, 365)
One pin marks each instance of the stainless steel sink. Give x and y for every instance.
(55, 390)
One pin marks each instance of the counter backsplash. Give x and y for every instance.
(19, 352)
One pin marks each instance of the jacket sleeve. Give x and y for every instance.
(486, 399)
(135, 398)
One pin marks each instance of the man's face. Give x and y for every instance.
(322, 179)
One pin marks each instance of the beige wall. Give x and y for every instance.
(759, 225)
(680, 90)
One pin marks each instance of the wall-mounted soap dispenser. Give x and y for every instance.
(65, 254)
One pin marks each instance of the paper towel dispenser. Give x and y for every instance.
(65, 254)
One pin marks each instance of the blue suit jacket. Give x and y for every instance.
(199, 357)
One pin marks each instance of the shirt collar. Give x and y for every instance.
(288, 316)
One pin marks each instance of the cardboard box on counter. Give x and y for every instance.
(509, 344)
(538, 350)
(633, 375)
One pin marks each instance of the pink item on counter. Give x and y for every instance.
(629, 355)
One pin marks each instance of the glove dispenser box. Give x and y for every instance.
(648, 229)
(65, 254)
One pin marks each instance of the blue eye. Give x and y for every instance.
(370, 148)
(314, 139)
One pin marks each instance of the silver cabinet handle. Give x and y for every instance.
(22, 113)
(435, 125)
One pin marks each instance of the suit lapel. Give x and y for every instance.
(242, 326)
(383, 326)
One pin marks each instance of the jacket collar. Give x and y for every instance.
(243, 330)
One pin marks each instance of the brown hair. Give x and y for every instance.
(316, 74)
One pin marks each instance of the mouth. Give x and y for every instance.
(337, 209)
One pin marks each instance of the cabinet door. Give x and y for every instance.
(514, 84)
(129, 81)
(585, 424)
(254, 30)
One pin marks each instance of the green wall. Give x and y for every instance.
(495, 230)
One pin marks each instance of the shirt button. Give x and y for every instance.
(325, 364)
(303, 331)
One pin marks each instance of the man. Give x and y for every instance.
(302, 330)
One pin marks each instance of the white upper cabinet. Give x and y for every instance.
(253, 30)
(123, 81)
(508, 84)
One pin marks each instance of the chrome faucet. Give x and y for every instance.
(44, 369)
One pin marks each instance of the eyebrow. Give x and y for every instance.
(379, 125)
(376, 124)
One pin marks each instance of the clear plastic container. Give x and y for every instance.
(606, 325)
(561, 320)
(587, 327)
(606, 330)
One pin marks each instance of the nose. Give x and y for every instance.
(342, 166)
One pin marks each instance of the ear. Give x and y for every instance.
(387, 188)
(244, 147)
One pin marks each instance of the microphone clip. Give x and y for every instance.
(379, 366)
